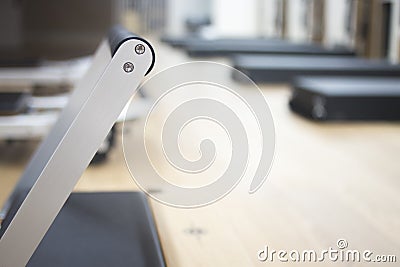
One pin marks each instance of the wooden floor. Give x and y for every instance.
(328, 181)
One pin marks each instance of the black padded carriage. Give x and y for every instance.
(282, 69)
(346, 98)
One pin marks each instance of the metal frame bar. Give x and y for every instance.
(66, 152)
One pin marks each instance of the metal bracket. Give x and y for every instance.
(65, 153)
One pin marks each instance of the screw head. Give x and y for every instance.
(139, 49)
(128, 67)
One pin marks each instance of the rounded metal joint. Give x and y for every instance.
(139, 49)
(128, 67)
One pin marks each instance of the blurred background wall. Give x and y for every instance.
(60, 29)
(55, 29)
(369, 26)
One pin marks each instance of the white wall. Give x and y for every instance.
(296, 31)
(236, 18)
(335, 23)
(179, 10)
(394, 40)
(266, 18)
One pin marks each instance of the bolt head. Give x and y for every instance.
(128, 67)
(139, 49)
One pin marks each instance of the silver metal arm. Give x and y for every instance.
(115, 74)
